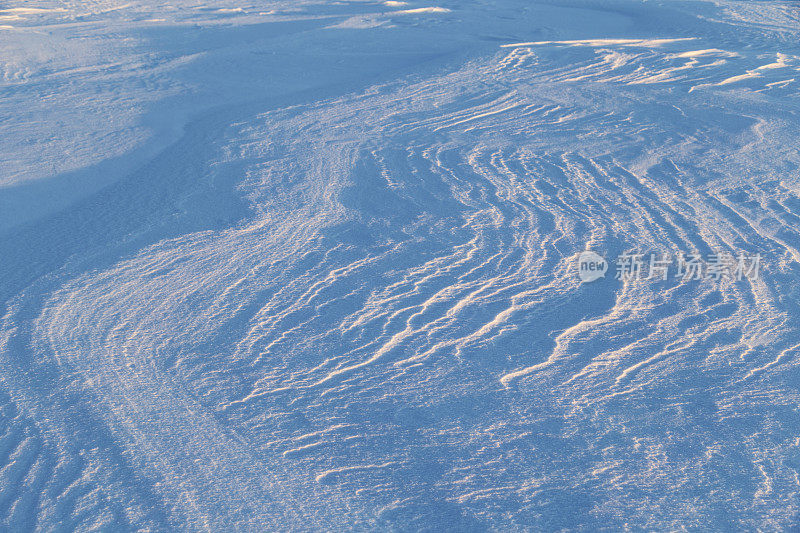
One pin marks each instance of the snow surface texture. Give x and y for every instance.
(310, 265)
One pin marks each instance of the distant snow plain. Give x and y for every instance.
(310, 265)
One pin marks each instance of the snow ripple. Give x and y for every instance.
(398, 325)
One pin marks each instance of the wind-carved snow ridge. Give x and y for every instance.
(386, 329)
(410, 250)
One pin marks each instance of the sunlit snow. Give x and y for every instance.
(314, 266)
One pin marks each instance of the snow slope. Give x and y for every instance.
(311, 265)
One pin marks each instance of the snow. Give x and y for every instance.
(310, 265)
